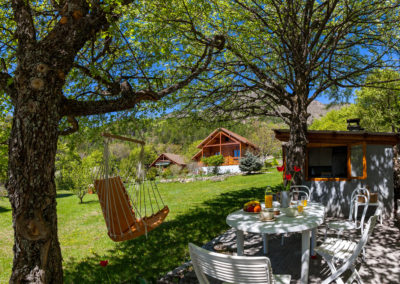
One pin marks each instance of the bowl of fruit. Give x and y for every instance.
(252, 207)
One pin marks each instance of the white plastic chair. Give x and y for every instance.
(233, 269)
(352, 222)
(347, 252)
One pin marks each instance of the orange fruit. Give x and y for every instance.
(257, 208)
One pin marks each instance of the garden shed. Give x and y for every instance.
(167, 159)
(230, 145)
(337, 162)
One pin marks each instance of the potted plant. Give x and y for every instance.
(285, 186)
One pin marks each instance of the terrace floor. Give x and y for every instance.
(381, 265)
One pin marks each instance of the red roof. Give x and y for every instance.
(229, 133)
(176, 159)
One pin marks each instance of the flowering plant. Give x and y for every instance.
(288, 177)
(104, 263)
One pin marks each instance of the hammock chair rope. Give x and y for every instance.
(122, 209)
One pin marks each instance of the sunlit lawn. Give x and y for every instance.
(198, 212)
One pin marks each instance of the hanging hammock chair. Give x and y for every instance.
(128, 213)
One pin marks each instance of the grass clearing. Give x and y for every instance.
(197, 214)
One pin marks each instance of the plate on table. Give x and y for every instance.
(251, 212)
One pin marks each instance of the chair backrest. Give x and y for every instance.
(358, 249)
(356, 195)
(301, 190)
(232, 269)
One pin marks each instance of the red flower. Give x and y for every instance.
(280, 169)
(297, 169)
(288, 177)
(103, 263)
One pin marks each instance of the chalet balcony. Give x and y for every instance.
(230, 161)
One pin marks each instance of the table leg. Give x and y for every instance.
(239, 242)
(265, 243)
(305, 256)
(313, 240)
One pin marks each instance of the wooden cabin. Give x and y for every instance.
(226, 143)
(337, 162)
(167, 159)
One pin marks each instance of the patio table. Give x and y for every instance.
(312, 217)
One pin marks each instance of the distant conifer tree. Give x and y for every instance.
(250, 163)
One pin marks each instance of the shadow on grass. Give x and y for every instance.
(62, 195)
(165, 248)
(2, 209)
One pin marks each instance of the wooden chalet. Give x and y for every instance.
(167, 159)
(226, 143)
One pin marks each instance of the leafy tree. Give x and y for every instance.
(284, 54)
(336, 119)
(250, 163)
(263, 136)
(380, 105)
(81, 178)
(64, 60)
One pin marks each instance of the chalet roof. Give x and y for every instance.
(177, 159)
(331, 136)
(229, 133)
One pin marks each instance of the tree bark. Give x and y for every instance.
(296, 146)
(31, 185)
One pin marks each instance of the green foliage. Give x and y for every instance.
(175, 169)
(166, 173)
(151, 173)
(336, 119)
(81, 178)
(213, 161)
(250, 163)
(379, 106)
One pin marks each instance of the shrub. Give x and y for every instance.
(214, 161)
(175, 169)
(166, 173)
(250, 163)
(151, 173)
(268, 164)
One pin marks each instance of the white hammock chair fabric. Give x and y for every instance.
(128, 215)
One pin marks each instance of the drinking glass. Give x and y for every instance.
(304, 201)
(300, 207)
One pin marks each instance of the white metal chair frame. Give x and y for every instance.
(233, 269)
(300, 189)
(335, 249)
(351, 223)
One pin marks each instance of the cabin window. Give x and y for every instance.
(236, 153)
(336, 162)
(217, 153)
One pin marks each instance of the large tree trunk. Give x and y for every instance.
(31, 186)
(296, 147)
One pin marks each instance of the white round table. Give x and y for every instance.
(312, 217)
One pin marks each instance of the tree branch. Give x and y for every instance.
(74, 126)
(72, 107)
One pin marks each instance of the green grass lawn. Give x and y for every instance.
(197, 214)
